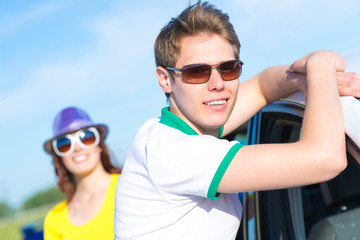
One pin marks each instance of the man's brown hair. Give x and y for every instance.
(200, 18)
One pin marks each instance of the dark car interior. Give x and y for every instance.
(328, 210)
(337, 216)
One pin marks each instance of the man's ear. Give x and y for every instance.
(164, 79)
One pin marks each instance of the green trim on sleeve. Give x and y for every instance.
(212, 194)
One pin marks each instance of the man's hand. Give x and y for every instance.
(348, 82)
(300, 65)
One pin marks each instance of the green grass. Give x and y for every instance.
(11, 227)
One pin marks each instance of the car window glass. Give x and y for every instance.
(250, 213)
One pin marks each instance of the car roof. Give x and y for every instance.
(351, 111)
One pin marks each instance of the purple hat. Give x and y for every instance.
(71, 119)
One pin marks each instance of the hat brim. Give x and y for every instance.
(103, 130)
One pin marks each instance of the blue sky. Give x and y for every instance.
(98, 55)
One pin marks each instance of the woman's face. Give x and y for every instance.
(82, 162)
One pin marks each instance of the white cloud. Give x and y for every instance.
(19, 21)
(271, 20)
(107, 68)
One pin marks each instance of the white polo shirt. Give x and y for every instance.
(167, 189)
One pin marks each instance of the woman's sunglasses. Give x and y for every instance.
(86, 138)
(200, 73)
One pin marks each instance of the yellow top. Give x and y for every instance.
(57, 224)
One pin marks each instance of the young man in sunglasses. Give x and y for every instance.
(180, 180)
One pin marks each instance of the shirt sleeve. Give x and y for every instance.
(189, 164)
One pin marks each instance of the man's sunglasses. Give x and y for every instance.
(200, 73)
(86, 138)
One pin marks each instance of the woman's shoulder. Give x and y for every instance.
(115, 176)
(57, 212)
(59, 208)
(114, 180)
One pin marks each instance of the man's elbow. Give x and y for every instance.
(334, 163)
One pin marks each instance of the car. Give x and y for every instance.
(327, 210)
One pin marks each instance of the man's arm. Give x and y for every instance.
(278, 82)
(319, 154)
(255, 93)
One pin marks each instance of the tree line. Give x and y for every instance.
(47, 196)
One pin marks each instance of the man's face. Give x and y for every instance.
(206, 106)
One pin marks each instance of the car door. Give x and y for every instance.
(292, 213)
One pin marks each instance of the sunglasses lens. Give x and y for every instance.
(87, 137)
(230, 70)
(63, 145)
(197, 73)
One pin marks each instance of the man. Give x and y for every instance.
(180, 180)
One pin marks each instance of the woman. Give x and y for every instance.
(86, 176)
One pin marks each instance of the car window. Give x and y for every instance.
(249, 216)
(294, 213)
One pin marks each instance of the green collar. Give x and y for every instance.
(171, 120)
